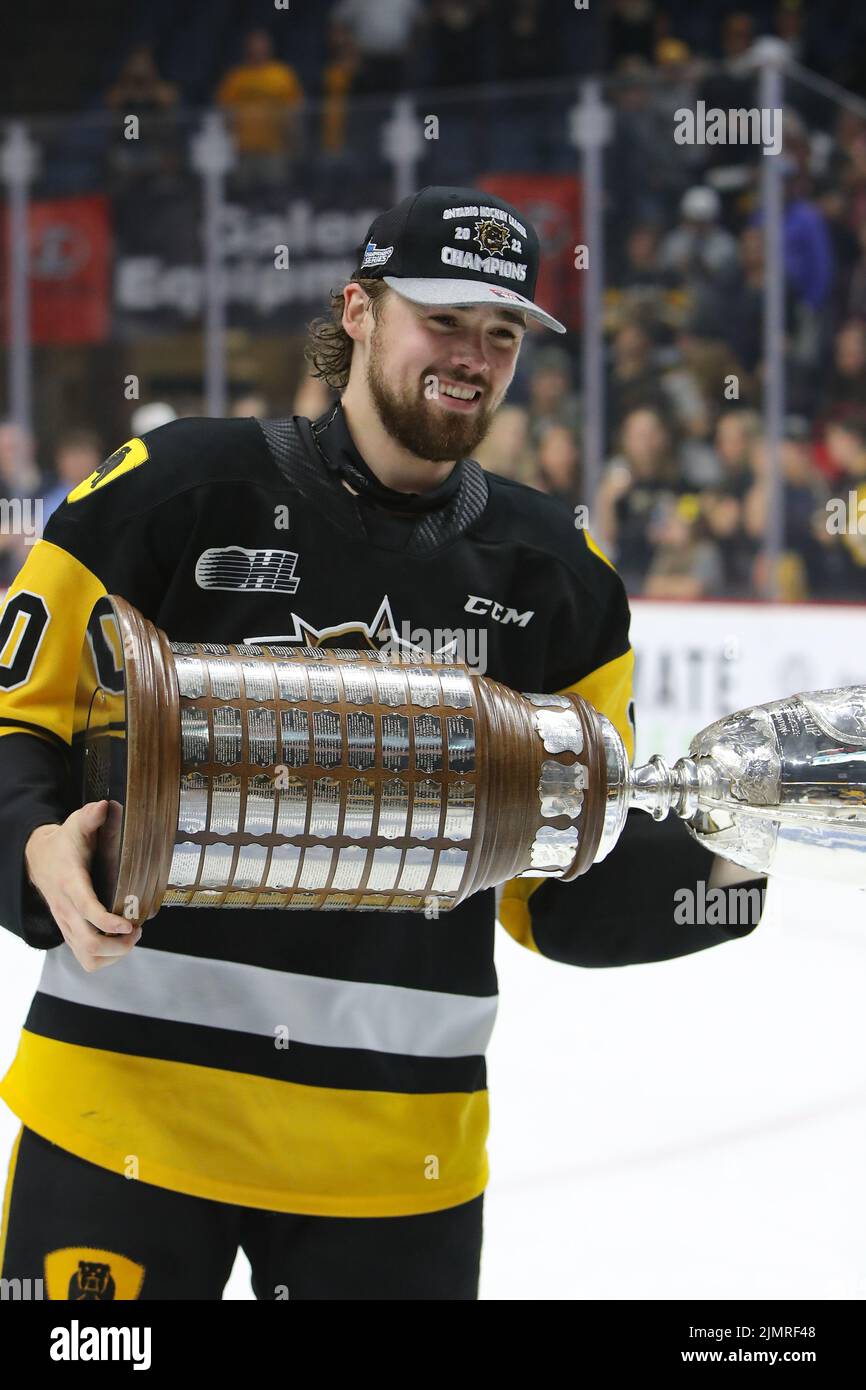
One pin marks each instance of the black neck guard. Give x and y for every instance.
(444, 513)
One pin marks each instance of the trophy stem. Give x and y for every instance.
(659, 789)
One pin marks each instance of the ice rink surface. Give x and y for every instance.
(691, 1129)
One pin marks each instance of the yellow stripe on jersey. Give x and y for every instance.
(593, 545)
(130, 455)
(7, 1199)
(43, 696)
(609, 689)
(12, 645)
(278, 1145)
(513, 912)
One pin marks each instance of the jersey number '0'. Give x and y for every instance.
(108, 670)
(22, 627)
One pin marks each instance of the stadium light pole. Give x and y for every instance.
(771, 55)
(212, 157)
(18, 159)
(401, 145)
(589, 131)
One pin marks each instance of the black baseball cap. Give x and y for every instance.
(461, 246)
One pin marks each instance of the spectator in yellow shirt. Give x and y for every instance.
(338, 77)
(263, 97)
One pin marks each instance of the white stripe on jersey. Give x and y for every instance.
(252, 999)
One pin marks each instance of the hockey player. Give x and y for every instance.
(162, 1124)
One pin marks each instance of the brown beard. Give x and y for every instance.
(412, 423)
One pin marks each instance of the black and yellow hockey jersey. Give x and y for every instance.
(240, 530)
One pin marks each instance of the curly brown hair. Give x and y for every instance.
(329, 347)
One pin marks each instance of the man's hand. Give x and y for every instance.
(58, 865)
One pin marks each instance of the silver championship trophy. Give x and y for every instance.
(779, 788)
(307, 778)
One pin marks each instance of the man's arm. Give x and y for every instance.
(633, 907)
(34, 780)
(115, 533)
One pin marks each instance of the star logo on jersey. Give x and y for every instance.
(357, 634)
(130, 455)
(492, 237)
(81, 1274)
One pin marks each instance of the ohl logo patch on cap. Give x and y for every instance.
(85, 1275)
(123, 460)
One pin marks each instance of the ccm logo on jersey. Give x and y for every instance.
(474, 604)
(261, 571)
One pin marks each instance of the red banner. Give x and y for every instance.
(552, 202)
(69, 271)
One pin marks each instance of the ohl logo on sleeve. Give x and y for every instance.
(83, 1275)
(123, 460)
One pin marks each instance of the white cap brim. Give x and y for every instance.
(465, 292)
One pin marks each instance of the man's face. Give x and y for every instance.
(844, 448)
(258, 47)
(851, 350)
(731, 439)
(418, 354)
(16, 449)
(75, 462)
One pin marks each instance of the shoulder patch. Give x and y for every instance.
(130, 455)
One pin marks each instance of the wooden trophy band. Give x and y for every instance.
(153, 765)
